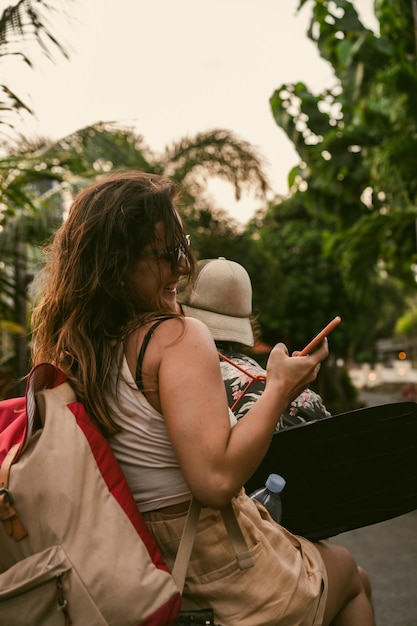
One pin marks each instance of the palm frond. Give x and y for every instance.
(25, 19)
(218, 153)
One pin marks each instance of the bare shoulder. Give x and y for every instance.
(173, 331)
(175, 340)
(183, 331)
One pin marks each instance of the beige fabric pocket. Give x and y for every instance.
(28, 590)
(35, 592)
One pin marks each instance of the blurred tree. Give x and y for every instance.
(357, 140)
(30, 211)
(406, 325)
(310, 292)
(346, 239)
(21, 178)
(102, 148)
(191, 162)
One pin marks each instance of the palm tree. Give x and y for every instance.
(24, 20)
(191, 162)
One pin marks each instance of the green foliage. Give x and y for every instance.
(357, 140)
(406, 325)
(30, 211)
(308, 293)
(349, 229)
(98, 149)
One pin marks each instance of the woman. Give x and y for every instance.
(158, 393)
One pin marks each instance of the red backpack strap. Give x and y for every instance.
(18, 422)
(12, 424)
(42, 376)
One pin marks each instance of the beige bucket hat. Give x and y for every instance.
(221, 297)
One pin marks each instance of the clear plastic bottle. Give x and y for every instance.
(270, 496)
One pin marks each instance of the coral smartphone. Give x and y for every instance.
(322, 334)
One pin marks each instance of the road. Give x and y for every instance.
(388, 552)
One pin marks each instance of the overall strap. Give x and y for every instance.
(146, 340)
(236, 536)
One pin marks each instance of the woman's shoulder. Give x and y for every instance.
(185, 331)
(175, 329)
(172, 339)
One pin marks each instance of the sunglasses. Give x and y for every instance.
(172, 255)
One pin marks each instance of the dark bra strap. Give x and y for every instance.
(146, 340)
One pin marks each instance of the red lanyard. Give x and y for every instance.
(253, 377)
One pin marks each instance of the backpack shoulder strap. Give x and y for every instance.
(146, 340)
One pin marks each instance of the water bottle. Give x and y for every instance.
(270, 497)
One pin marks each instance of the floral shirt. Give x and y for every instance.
(308, 406)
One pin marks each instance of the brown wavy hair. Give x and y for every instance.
(87, 306)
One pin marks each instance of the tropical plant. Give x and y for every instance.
(22, 178)
(31, 188)
(345, 239)
(310, 290)
(191, 162)
(357, 140)
(25, 20)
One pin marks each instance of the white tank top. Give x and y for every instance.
(143, 448)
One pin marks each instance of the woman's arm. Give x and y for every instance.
(215, 459)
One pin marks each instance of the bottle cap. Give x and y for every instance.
(275, 483)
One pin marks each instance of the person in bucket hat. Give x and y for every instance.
(221, 297)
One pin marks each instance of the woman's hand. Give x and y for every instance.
(292, 374)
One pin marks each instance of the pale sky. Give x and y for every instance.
(173, 68)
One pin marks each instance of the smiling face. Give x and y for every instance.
(155, 276)
(122, 247)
